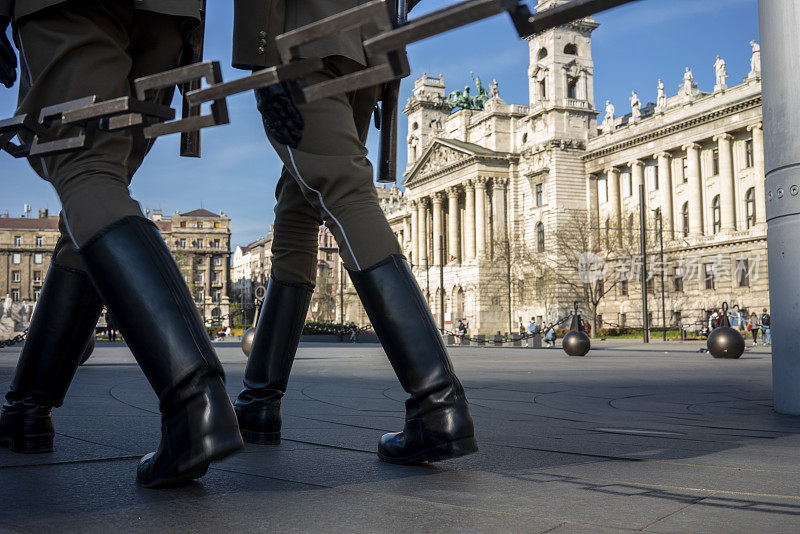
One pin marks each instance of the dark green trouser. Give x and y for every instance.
(93, 47)
(328, 179)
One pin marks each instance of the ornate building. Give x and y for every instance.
(485, 188)
(199, 240)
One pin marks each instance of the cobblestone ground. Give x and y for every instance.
(655, 439)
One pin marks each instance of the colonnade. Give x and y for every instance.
(467, 234)
(725, 185)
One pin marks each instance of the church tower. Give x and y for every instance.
(427, 112)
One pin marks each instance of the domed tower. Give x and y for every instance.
(427, 111)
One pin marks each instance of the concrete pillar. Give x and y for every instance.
(469, 216)
(422, 236)
(778, 23)
(665, 184)
(695, 189)
(414, 259)
(499, 202)
(726, 185)
(758, 164)
(438, 198)
(453, 230)
(480, 217)
(612, 175)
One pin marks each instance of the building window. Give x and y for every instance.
(199, 224)
(539, 195)
(716, 216)
(572, 87)
(678, 280)
(39, 241)
(15, 295)
(571, 49)
(685, 169)
(709, 272)
(182, 242)
(655, 178)
(16, 258)
(183, 224)
(15, 276)
(623, 288)
(17, 240)
(685, 218)
(37, 277)
(217, 260)
(36, 293)
(215, 243)
(198, 296)
(627, 184)
(217, 224)
(217, 277)
(748, 153)
(602, 190)
(199, 277)
(540, 237)
(215, 296)
(37, 258)
(715, 162)
(543, 89)
(750, 207)
(743, 272)
(199, 243)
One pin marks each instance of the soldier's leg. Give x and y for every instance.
(80, 48)
(61, 328)
(332, 170)
(283, 314)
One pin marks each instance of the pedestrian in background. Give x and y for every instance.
(737, 318)
(533, 329)
(766, 331)
(752, 326)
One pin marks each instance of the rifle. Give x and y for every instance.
(387, 155)
(190, 141)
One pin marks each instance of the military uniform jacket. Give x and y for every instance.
(182, 8)
(257, 22)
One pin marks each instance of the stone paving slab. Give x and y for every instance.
(654, 439)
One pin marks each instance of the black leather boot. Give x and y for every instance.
(280, 324)
(438, 423)
(140, 283)
(61, 327)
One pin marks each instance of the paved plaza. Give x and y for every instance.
(656, 439)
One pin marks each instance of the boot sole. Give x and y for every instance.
(261, 438)
(444, 451)
(197, 467)
(28, 446)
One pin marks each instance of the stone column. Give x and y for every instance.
(726, 184)
(480, 217)
(438, 198)
(414, 259)
(665, 183)
(452, 212)
(758, 164)
(422, 235)
(637, 176)
(499, 195)
(469, 215)
(695, 189)
(612, 175)
(406, 233)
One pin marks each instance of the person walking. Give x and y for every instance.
(462, 331)
(736, 318)
(327, 179)
(766, 331)
(108, 252)
(752, 326)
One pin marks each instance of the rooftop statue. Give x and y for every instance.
(463, 100)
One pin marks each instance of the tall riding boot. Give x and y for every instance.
(61, 327)
(280, 324)
(438, 423)
(140, 283)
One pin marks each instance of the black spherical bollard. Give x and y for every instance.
(576, 343)
(88, 351)
(725, 342)
(247, 340)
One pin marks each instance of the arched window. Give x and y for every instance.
(415, 126)
(572, 87)
(716, 216)
(571, 49)
(542, 54)
(685, 218)
(540, 237)
(750, 207)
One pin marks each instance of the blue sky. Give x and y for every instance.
(634, 46)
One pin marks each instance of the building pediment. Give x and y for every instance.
(443, 155)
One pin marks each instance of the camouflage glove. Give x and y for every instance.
(8, 58)
(282, 120)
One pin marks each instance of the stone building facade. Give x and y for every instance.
(199, 240)
(483, 185)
